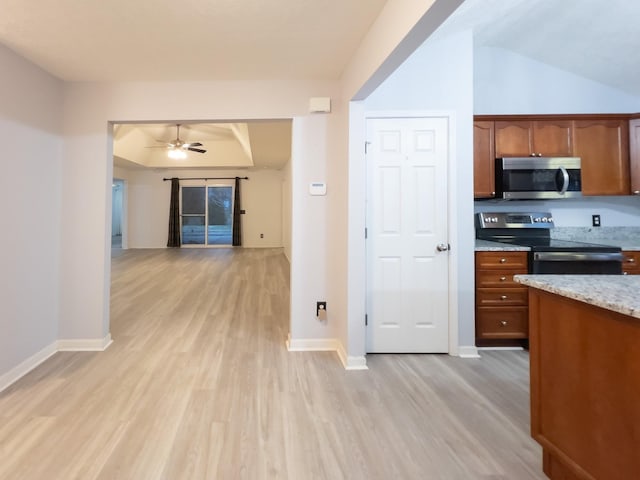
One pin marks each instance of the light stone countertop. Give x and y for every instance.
(487, 246)
(623, 243)
(627, 238)
(619, 293)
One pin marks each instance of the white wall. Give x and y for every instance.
(88, 170)
(438, 77)
(308, 227)
(148, 204)
(286, 210)
(508, 83)
(30, 135)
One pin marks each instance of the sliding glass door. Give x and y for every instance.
(207, 215)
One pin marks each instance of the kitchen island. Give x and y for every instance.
(585, 374)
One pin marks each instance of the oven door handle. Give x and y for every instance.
(565, 180)
(577, 257)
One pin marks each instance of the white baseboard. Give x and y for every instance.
(25, 367)
(468, 351)
(71, 345)
(327, 345)
(311, 344)
(351, 363)
(84, 344)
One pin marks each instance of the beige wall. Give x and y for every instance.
(148, 204)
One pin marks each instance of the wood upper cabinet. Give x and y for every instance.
(483, 160)
(542, 138)
(634, 152)
(603, 146)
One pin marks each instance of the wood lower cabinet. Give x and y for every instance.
(631, 262)
(484, 160)
(634, 155)
(585, 389)
(501, 303)
(603, 146)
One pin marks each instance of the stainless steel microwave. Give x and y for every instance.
(521, 178)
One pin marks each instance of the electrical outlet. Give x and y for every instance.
(262, 235)
(595, 220)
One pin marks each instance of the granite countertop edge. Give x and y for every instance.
(488, 246)
(618, 293)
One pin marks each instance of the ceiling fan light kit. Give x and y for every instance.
(177, 154)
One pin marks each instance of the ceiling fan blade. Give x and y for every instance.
(195, 144)
(198, 150)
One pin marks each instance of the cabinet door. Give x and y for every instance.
(634, 152)
(514, 138)
(603, 146)
(552, 138)
(483, 160)
(631, 262)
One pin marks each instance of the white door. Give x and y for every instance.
(407, 289)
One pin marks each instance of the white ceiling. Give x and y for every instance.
(121, 40)
(595, 39)
(112, 40)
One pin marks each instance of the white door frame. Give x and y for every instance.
(451, 211)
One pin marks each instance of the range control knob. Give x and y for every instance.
(536, 220)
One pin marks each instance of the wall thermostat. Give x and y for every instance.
(318, 188)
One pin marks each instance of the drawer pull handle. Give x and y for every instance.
(503, 279)
(503, 297)
(503, 323)
(631, 260)
(503, 260)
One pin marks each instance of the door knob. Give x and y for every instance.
(443, 247)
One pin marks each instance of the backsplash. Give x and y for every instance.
(595, 233)
(613, 211)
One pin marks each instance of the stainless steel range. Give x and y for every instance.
(547, 255)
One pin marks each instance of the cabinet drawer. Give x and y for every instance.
(502, 260)
(497, 279)
(504, 322)
(631, 262)
(496, 297)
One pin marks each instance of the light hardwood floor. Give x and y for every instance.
(198, 384)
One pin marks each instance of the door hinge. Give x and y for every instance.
(366, 233)
(366, 319)
(366, 147)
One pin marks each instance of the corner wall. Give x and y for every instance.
(508, 83)
(30, 135)
(439, 77)
(88, 172)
